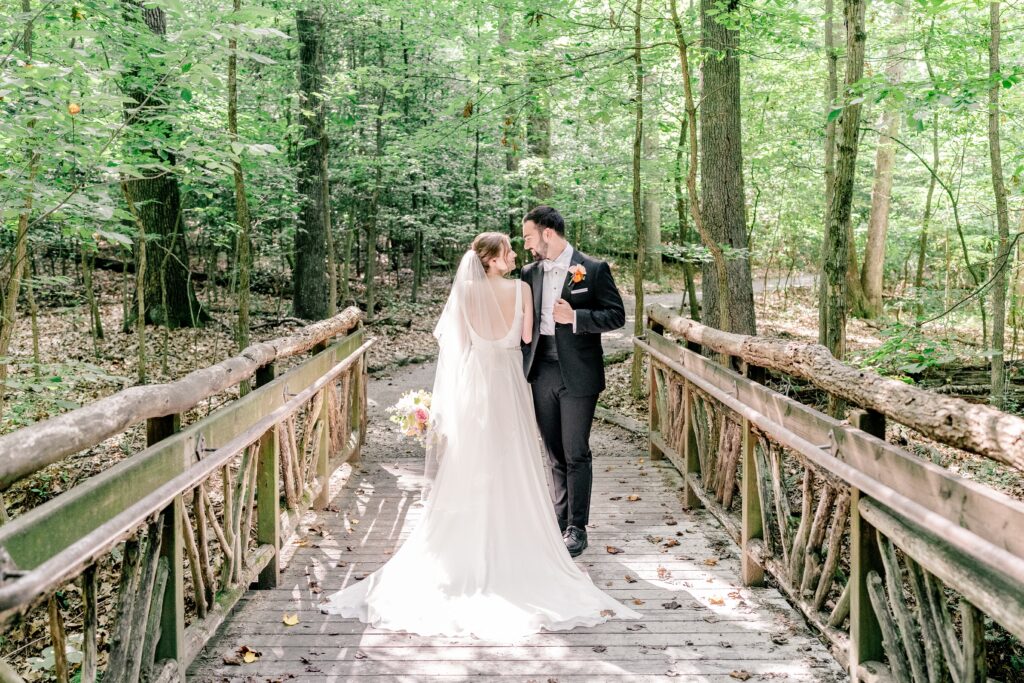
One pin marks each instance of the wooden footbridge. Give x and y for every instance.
(759, 538)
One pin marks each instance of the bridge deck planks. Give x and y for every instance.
(719, 629)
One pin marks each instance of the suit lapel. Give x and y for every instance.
(537, 284)
(577, 258)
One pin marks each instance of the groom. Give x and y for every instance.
(574, 301)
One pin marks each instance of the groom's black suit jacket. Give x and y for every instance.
(598, 307)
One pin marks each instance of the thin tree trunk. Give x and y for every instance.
(637, 376)
(835, 256)
(141, 259)
(922, 243)
(872, 273)
(1002, 216)
(652, 207)
(242, 219)
(10, 302)
(684, 228)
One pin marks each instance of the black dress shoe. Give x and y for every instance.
(575, 540)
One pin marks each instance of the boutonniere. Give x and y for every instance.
(578, 273)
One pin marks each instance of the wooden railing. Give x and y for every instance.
(896, 561)
(184, 527)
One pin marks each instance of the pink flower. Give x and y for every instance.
(422, 415)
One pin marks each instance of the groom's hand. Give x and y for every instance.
(563, 313)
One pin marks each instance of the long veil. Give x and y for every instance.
(472, 311)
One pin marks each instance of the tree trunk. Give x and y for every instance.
(722, 199)
(538, 122)
(13, 289)
(872, 274)
(168, 294)
(637, 375)
(242, 219)
(684, 228)
(1002, 216)
(922, 243)
(652, 209)
(310, 297)
(835, 248)
(372, 225)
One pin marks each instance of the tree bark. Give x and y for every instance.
(637, 375)
(310, 296)
(13, 289)
(652, 208)
(872, 273)
(835, 255)
(722, 199)
(242, 219)
(1002, 215)
(684, 228)
(538, 123)
(169, 297)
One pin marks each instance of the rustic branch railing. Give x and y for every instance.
(871, 543)
(186, 525)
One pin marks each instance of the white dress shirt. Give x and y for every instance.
(554, 279)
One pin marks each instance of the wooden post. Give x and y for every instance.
(364, 380)
(654, 417)
(865, 631)
(268, 492)
(690, 498)
(868, 421)
(973, 626)
(171, 644)
(323, 456)
(752, 523)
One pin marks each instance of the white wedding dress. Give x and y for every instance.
(486, 558)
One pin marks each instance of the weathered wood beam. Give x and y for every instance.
(27, 450)
(973, 427)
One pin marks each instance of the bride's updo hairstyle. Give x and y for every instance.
(489, 246)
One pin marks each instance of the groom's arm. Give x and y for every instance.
(609, 314)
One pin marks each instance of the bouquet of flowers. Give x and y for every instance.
(412, 415)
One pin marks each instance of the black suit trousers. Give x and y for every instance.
(564, 423)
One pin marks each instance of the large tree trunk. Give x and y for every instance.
(872, 274)
(637, 378)
(652, 209)
(835, 248)
(310, 297)
(168, 294)
(1002, 216)
(722, 200)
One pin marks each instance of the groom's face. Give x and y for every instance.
(534, 239)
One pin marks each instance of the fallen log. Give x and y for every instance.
(30, 449)
(973, 427)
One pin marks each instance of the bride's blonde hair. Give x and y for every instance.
(489, 246)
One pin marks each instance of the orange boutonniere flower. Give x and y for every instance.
(578, 273)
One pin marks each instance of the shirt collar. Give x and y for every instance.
(565, 258)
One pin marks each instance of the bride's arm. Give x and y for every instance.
(527, 312)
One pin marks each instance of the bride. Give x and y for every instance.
(487, 557)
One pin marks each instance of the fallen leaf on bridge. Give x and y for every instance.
(633, 498)
(615, 498)
(740, 675)
(638, 601)
(612, 550)
(671, 543)
(607, 613)
(290, 619)
(600, 648)
(717, 601)
(663, 573)
(630, 578)
(711, 561)
(671, 605)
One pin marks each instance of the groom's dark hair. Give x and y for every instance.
(546, 217)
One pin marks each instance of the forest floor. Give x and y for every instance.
(76, 369)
